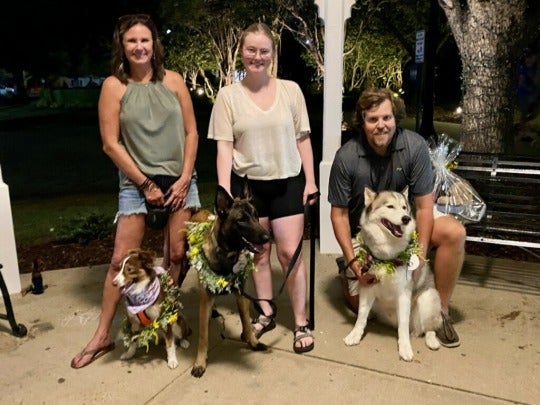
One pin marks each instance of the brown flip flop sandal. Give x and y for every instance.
(95, 354)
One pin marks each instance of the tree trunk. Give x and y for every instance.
(487, 33)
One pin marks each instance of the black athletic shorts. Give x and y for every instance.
(274, 198)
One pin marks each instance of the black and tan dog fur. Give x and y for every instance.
(235, 229)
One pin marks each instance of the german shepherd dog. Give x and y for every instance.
(235, 230)
(140, 284)
(386, 230)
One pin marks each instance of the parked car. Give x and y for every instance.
(6, 91)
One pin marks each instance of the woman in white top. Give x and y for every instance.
(262, 131)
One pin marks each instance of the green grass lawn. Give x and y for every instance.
(57, 173)
(42, 220)
(48, 218)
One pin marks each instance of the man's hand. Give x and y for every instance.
(416, 272)
(366, 279)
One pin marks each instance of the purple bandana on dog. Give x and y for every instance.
(140, 300)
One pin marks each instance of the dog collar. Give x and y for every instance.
(143, 318)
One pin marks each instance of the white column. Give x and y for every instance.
(334, 14)
(8, 250)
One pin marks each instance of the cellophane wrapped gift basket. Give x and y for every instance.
(454, 195)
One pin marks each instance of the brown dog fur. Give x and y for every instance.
(139, 267)
(236, 220)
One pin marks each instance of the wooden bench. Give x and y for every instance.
(510, 187)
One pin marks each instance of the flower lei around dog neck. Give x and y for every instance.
(217, 284)
(383, 268)
(168, 314)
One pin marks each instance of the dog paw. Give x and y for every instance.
(353, 338)
(184, 343)
(259, 347)
(172, 363)
(198, 371)
(431, 341)
(125, 356)
(406, 351)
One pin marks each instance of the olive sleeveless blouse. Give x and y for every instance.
(152, 129)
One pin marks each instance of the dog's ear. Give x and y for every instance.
(246, 190)
(405, 192)
(223, 202)
(147, 259)
(369, 196)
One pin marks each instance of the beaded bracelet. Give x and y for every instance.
(147, 184)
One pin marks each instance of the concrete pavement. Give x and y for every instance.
(496, 309)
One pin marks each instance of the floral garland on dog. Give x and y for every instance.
(217, 284)
(383, 268)
(168, 314)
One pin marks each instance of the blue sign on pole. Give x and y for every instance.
(419, 51)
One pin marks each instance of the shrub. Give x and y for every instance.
(86, 229)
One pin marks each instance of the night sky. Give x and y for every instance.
(62, 36)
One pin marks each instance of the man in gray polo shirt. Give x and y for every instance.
(385, 157)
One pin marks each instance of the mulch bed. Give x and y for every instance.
(54, 255)
(57, 255)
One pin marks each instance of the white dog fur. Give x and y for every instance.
(398, 300)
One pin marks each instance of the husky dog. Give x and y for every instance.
(389, 250)
(234, 233)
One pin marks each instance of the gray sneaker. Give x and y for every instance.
(446, 334)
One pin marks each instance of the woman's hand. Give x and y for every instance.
(153, 195)
(310, 189)
(177, 193)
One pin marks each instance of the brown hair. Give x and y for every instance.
(374, 97)
(262, 28)
(120, 65)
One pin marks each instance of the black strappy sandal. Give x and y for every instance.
(267, 323)
(302, 332)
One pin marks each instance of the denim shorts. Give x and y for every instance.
(131, 200)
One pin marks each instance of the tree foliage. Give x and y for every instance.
(301, 19)
(202, 28)
(371, 57)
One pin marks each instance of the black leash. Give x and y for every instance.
(313, 226)
(294, 259)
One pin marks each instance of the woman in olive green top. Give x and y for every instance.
(148, 130)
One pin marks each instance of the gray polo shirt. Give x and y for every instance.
(356, 166)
